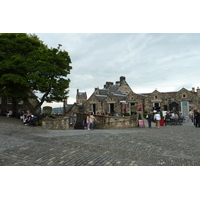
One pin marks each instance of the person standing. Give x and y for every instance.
(190, 116)
(88, 121)
(167, 119)
(149, 118)
(92, 119)
(157, 118)
(197, 124)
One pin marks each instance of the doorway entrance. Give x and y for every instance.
(111, 108)
(93, 108)
(185, 108)
(174, 107)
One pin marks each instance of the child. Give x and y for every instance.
(85, 124)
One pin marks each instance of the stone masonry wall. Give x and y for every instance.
(56, 124)
(108, 122)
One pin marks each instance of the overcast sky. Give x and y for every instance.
(110, 38)
(166, 62)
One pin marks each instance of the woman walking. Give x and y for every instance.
(88, 121)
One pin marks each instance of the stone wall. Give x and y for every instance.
(115, 122)
(56, 123)
(108, 122)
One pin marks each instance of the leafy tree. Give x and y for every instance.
(31, 70)
(139, 117)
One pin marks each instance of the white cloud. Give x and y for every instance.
(148, 61)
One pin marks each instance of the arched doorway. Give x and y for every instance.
(174, 107)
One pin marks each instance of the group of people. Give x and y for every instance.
(88, 123)
(155, 116)
(28, 118)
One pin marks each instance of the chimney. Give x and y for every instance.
(117, 83)
(108, 84)
(96, 90)
(193, 89)
(198, 92)
(122, 80)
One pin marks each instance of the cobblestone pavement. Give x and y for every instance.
(22, 145)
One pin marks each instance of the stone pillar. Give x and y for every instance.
(47, 110)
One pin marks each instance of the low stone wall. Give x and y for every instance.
(108, 122)
(55, 123)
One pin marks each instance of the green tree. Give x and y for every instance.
(31, 70)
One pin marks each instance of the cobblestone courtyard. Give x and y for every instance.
(32, 146)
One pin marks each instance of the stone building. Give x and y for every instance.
(119, 99)
(181, 101)
(81, 97)
(115, 99)
(7, 103)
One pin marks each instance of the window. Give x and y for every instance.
(9, 100)
(184, 95)
(156, 105)
(156, 97)
(20, 102)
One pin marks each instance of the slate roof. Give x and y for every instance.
(82, 95)
(103, 91)
(68, 107)
(101, 97)
(112, 89)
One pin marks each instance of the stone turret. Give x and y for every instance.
(193, 89)
(81, 97)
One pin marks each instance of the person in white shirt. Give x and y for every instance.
(157, 118)
(9, 113)
(92, 119)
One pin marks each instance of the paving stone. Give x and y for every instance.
(32, 146)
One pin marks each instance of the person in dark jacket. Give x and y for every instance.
(197, 116)
(167, 119)
(149, 118)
